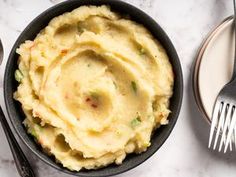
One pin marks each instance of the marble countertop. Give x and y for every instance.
(185, 153)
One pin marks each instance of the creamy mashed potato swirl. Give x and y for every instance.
(93, 86)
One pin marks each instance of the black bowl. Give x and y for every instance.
(14, 109)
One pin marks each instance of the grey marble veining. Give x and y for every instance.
(185, 153)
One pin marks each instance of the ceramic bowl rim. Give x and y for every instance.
(13, 111)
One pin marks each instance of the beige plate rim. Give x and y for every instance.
(197, 63)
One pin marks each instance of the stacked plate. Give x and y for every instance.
(214, 66)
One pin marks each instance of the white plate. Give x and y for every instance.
(215, 65)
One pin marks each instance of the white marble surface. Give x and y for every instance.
(185, 153)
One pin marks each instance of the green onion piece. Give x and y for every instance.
(18, 75)
(135, 122)
(114, 84)
(94, 95)
(142, 51)
(88, 64)
(134, 86)
(147, 144)
(80, 28)
(34, 134)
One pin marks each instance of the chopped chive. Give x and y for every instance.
(147, 144)
(88, 64)
(80, 28)
(94, 95)
(142, 51)
(34, 134)
(135, 122)
(114, 84)
(134, 86)
(18, 75)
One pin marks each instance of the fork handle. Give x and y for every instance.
(234, 25)
(23, 167)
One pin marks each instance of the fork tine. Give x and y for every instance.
(225, 126)
(214, 121)
(227, 131)
(231, 128)
(228, 126)
(231, 139)
(230, 143)
(220, 124)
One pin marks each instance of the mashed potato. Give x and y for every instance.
(93, 86)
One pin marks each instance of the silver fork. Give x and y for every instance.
(224, 113)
